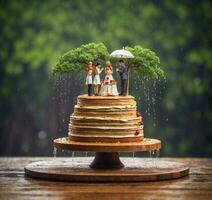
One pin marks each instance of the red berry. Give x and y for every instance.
(138, 114)
(137, 132)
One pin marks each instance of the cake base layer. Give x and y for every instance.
(112, 140)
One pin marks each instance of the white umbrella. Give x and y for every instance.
(121, 53)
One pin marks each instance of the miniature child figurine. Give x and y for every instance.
(122, 70)
(89, 81)
(114, 90)
(96, 81)
(108, 71)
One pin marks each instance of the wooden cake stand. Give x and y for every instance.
(106, 165)
(107, 156)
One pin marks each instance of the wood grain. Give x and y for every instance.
(77, 169)
(146, 145)
(14, 185)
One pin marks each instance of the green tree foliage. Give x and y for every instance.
(145, 62)
(75, 59)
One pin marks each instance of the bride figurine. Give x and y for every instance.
(108, 71)
(96, 81)
(88, 82)
(109, 85)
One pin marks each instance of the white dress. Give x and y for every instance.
(114, 90)
(109, 75)
(88, 79)
(109, 90)
(96, 80)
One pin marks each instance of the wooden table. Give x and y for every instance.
(14, 184)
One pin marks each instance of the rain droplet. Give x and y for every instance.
(55, 152)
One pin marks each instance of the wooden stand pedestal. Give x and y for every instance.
(106, 166)
(106, 160)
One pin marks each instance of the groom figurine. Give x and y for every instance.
(122, 70)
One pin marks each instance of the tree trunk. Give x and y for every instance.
(128, 81)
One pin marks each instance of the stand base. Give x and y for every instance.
(76, 169)
(106, 160)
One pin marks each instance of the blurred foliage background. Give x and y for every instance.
(35, 107)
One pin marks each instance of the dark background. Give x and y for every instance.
(35, 106)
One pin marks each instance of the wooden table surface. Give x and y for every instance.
(14, 184)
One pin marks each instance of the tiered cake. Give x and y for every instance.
(106, 119)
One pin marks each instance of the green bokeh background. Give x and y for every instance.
(35, 107)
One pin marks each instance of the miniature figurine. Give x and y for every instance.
(108, 71)
(122, 70)
(89, 81)
(109, 85)
(96, 81)
(105, 87)
(114, 90)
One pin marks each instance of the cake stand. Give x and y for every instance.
(106, 165)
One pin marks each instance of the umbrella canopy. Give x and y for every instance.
(121, 53)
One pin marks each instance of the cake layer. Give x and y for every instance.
(84, 100)
(108, 112)
(98, 118)
(106, 126)
(106, 139)
(116, 132)
(105, 121)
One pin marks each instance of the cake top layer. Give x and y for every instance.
(85, 100)
(85, 96)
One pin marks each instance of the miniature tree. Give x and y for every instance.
(145, 62)
(76, 59)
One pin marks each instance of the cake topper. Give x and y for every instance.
(122, 70)
(108, 71)
(144, 61)
(97, 81)
(89, 79)
(123, 73)
(109, 85)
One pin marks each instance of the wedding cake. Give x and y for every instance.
(106, 119)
